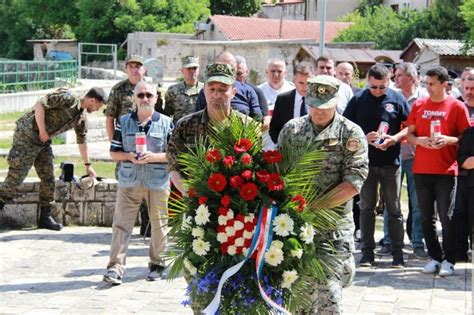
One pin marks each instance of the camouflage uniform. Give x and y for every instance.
(180, 100)
(346, 161)
(187, 133)
(62, 112)
(120, 100)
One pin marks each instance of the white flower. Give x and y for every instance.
(187, 220)
(245, 251)
(230, 231)
(201, 247)
(248, 235)
(297, 253)
(221, 237)
(307, 233)
(202, 215)
(222, 220)
(239, 242)
(230, 214)
(289, 276)
(274, 256)
(190, 267)
(249, 218)
(198, 232)
(238, 225)
(283, 225)
(231, 250)
(277, 244)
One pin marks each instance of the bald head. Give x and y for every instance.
(345, 72)
(227, 58)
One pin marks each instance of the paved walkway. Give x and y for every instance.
(45, 272)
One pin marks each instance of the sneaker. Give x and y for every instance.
(447, 269)
(398, 262)
(112, 278)
(432, 267)
(367, 260)
(420, 252)
(384, 251)
(155, 272)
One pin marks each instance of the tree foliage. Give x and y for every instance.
(390, 30)
(467, 11)
(235, 7)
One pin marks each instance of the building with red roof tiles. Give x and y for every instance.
(235, 28)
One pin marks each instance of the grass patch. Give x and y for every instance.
(8, 120)
(102, 168)
(5, 143)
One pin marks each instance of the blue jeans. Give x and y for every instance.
(432, 188)
(414, 209)
(389, 178)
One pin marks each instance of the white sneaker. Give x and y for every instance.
(447, 269)
(432, 267)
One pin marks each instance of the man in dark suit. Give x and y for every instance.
(291, 104)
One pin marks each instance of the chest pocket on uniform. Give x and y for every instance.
(157, 141)
(334, 153)
(129, 142)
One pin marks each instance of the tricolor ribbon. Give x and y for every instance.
(261, 241)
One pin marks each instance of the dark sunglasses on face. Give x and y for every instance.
(377, 87)
(142, 95)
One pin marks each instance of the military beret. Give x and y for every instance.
(190, 61)
(322, 91)
(220, 72)
(134, 58)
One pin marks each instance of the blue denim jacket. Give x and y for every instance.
(153, 176)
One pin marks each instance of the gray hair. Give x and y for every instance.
(303, 67)
(409, 68)
(273, 61)
(144, 83)
(240, 60)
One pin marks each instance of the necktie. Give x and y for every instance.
(303, 107)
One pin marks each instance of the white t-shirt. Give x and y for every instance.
(271, 94)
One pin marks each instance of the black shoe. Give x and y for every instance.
(384, 251)
(398, 263)
(155, 272)
(367, 260)
(112, 278)
(46, 221)
(420, 252)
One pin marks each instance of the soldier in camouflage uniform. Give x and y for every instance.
(342, 175)
(52, 115)
(219, 91)
(180, 99)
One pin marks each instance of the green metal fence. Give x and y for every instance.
(19, 75)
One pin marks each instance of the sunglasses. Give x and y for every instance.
(377, 87)
(142, 95)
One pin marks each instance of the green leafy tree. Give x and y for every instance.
(467, 11)
(235, 7)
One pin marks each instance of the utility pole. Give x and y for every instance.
(322, 23)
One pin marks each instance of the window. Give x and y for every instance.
(394, 7)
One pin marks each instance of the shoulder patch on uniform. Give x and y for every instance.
(353, 144)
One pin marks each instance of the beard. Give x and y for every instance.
(146, 107)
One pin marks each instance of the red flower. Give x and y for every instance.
(202, 200)
(247, 174)
(300, 201)
(213, 156)
(249, 226)
(223, 248)
(217, 182)
(221, 228)
(242, 145)
(263, 176)
(275, 182)
(272, 156)
(246, 159)
(240, 217)
(229, 161)
(222, 211)
(238, 250)
(247, 242)
(236, 181)
(248, 191)
(225, 200)
(191, 192)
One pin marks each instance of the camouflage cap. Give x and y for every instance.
(220, 72)
(190, 61)
(134, 58)
(322, 91)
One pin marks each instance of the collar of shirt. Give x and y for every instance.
(297, 107)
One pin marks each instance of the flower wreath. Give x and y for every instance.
(250, 234)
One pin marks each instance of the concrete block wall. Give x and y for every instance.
(94, 206)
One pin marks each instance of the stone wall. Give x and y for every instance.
(94, 206)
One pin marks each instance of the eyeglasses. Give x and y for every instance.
(377, 87)
(142, 95)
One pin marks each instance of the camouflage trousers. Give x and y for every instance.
(24, 154)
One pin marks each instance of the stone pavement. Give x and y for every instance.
(45, 272)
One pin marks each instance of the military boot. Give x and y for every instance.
(46, 221)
